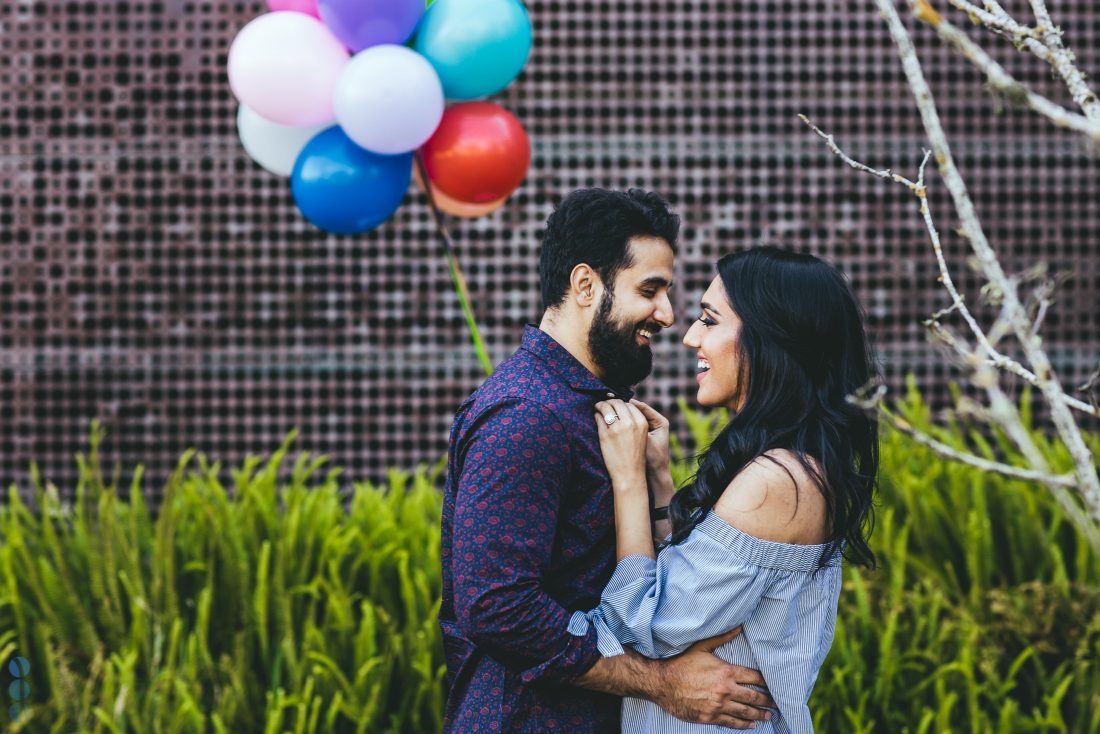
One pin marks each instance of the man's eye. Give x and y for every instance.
(648, 294)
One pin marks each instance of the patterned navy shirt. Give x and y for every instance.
(528, 539)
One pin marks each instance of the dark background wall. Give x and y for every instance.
(152, 276)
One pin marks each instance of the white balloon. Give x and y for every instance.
(389, 99)
(273, 146)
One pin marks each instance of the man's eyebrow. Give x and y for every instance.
(656, 281)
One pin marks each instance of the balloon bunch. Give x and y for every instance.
(340, 94)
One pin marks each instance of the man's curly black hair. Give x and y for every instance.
(594, 226)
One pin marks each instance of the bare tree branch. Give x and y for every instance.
(1003, 82)
(1020, 320)
(1015, 317)
(1045, 41)
(1000, 23)
(1047, 382)
(1062, 59)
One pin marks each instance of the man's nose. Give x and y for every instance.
(664, 315)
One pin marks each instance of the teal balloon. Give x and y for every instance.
(344, 189)
(477, 46)
(19, 689)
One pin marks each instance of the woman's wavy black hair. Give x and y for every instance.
(803, 350)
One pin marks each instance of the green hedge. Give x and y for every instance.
(265, 608)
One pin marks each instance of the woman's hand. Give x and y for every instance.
(656, 450)
(624, 433)
(624, 436)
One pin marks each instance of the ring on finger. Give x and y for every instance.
(610, 418)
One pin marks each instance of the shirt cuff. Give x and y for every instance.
(606, 642)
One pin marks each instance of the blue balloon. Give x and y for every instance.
(344, 189)
(477, 46)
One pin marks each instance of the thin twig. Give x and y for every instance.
(1060, 485)
(1030, 475)
(869, 399)
(1043, 297)
(1089, 387)
(1010, 365)
(831, 144)
(993, 356)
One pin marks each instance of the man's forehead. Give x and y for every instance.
(652, 258)
(649, 248)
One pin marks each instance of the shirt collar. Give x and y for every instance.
(561, 361)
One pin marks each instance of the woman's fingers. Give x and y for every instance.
(617, 413)
(637, 418)
(653, 418)
(606, 412)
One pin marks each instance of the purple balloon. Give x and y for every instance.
(363, 23)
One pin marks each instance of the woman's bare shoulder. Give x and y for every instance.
(775, 498)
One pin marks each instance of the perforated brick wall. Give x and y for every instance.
(152, 276)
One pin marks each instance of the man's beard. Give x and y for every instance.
(615, 349)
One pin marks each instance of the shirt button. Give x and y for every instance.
(611, 395)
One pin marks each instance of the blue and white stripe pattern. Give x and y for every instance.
(715, 580)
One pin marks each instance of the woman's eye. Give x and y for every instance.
(707, 321)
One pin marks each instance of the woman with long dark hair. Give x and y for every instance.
(781, 495)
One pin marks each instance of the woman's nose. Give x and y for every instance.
(690, 339)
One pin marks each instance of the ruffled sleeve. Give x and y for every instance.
(702, 587)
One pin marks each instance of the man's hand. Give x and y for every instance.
(695, 686)
(700, 687)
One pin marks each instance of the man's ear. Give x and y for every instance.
(585, 286)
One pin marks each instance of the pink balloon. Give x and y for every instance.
(284, 66)
(309, 7)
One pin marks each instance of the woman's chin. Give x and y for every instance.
(704, 400)
(707, 399)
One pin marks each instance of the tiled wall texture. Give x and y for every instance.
(155, 278)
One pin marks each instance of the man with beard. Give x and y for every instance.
(528, 535)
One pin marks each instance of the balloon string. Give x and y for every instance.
(456, 272)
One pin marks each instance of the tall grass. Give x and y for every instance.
(242, 608)
(268, 606)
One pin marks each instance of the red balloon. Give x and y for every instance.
(478, 154)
